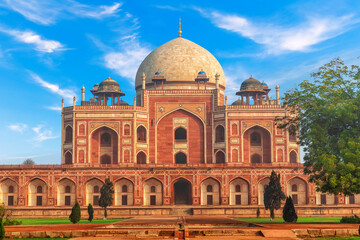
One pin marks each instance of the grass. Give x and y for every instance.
(40, 221)
(335, 238)
(300, 220)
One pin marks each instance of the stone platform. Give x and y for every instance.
(181, 228)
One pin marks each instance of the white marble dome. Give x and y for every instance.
(180, 60)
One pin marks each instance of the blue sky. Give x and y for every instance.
(50, 49)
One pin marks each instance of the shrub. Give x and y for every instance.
(10, 222)
(258, 213)
(351, 219)
(289, 213)
(75, 213)
(2, 230)
(90, 212)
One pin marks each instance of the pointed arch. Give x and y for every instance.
(297, 189)
(210, 197)
(219, 133)
(124, 192)
(180, 158)
(93, 196)
(293, 156)
(141, 157)
(261, 144)
(141, 133)
(263, 182)
(68, 157)
(65, 192)
(103, 141)
(182, 191)
(196, 144)
(152, 197)
(180, 134)
(9, 189)
(239, 192)
(68, 134)
(220, 156)
(36, 197)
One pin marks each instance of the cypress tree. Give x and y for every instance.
(2, 229)
(273, 194)
(289, 213)
(75, 213)
(90, 212)
(106, 197)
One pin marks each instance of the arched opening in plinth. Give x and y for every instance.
(182, 192)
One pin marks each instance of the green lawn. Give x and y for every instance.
(300, 220)
(38, 238)
(39, 221)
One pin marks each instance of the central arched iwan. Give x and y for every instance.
(195, 136)
(257, 145)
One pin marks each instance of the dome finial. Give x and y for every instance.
(179, 32)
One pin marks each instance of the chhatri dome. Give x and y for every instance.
(180, 61)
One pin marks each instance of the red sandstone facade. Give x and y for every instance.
(180, 144)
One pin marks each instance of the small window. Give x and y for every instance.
(256, 158)
(141, 158)
(105, 159)
(96, 189)
(127, 130)
(67, 189)
(294, 188)
(209, 188)
(152, 189)
(68, 134)
(255, 139)
(180, 158)
(124, 188)
(237, 188)
(39, 189)
(292, 134)
(141, 134)
(180, 134)
(11, 189)
(293, 157)
(68, 158)
(220, 157)
(105, 140)
(219, 134)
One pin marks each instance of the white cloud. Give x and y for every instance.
(126, 61)
(38, 41)
(278, 39)
(67, 94)
(54, 108)
(18, 127)
(42, 134)
(49, 11)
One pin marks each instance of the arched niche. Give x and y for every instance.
(93, 187)
(104, 142)
(293, 157)
(210, 192)
(66, 193)
(180, 134)
(68, 134)
(220, 157)
(297, 189)
(141, 158)
(261, 189)
(8, 192)
(239, 192)
(182, 191)
(124, 192)
(180, 158)
(153, 192)
(37, 193)
(141, 134)
(257, 140)
(219, 134)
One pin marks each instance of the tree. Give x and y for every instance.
(289, 213)
(75, 215)
(326, 113)
(90, 212)
(29, 161)
(273, 194)
(3, 215)
(106, 197)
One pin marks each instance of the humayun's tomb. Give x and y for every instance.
(180, 149)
